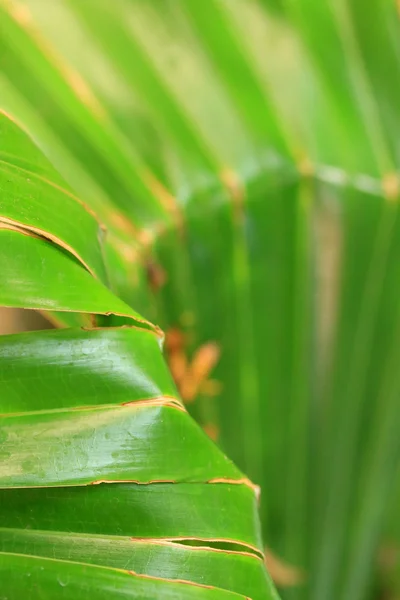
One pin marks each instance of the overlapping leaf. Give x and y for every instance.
(122, 493)
(245, 152)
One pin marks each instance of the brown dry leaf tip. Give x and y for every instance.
(235, 189)
(93, 320)
(212, 430)
(190, 376)
(282, 573)
(203, 362)
(178, 365)
(156, 275)
(391, 186)
(177, 360)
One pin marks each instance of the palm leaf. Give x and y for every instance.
(97, 451)
(243, 158)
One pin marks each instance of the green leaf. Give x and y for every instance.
(95, 441)
(51, 578)
(158, 558)
(102, 386)
(243, 158)
(63, 219)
